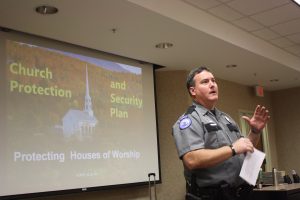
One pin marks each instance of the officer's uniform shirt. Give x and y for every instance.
(200, 128)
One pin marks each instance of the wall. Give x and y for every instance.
(287, 125)
(172, 101)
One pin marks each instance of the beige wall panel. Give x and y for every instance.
(287, 125)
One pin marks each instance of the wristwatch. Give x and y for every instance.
(233, 150)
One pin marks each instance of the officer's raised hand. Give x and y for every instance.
(259, 119)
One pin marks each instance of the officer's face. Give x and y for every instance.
(205, 90)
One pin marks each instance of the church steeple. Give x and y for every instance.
(88, 101)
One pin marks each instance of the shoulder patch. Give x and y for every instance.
(185, 123)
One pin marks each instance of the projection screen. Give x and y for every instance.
(73, 118)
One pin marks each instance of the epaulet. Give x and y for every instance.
(190, 110)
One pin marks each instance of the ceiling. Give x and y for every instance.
(262, 38)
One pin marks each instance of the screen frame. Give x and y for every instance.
(56, 44)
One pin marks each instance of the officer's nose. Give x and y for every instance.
(212, 84)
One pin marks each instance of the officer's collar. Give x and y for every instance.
(204, 111)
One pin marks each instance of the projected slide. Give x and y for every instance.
(73, 121)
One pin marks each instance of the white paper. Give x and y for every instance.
(251, 166)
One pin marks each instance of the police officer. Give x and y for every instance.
(210, 143)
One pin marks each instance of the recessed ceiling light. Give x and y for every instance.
(164, 45)
(231, 66)
(46, 10)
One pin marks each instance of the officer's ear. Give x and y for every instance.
(192, 91)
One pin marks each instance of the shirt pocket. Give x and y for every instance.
(211, 136)
(234, 131)
(232, 128)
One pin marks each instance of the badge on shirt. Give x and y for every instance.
(185, 123)
(227, 119)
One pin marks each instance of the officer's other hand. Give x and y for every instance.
(243, 145)
(259, 119)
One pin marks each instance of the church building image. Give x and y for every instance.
(80, 123)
